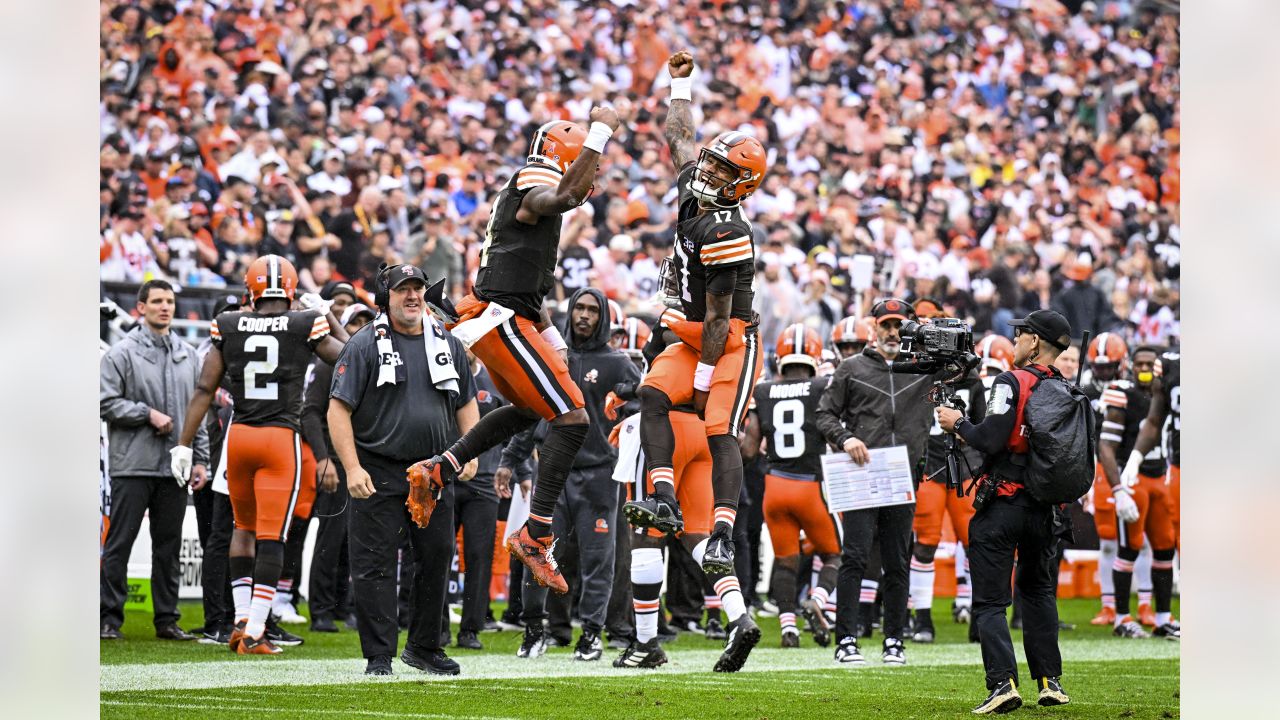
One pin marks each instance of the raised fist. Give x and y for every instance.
(607, 115)
(681, 64)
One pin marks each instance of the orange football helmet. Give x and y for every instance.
(928, 308)
(799, 343)
(634, 336)
(271, 276)
(616, 316)
(852, 330)
(741, 153)
(557, 143)
(1109, 349)
(994, 351)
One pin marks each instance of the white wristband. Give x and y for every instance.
(682, 88)
(1135, 459)
(554, 338)
(597, 136)
(702, 377)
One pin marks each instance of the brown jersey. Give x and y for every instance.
(266, 358)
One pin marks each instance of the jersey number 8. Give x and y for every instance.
(788, 429)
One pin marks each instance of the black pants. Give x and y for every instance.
(330, 578)
(214, 521)
(1004, 527)
(378, 525)
(588, 505)
(684, 585)
(477, 513)
(753, 486)
(620, 619)
(892, 527)
(165, 504)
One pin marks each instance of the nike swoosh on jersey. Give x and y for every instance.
(723, 234)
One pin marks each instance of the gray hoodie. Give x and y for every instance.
(141, 372)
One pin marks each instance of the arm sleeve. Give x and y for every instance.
(831, 406)
(351, 374)
(990, 436)
(314, 406)
(113, 406)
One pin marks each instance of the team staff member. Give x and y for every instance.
(1014, 522)
(147, 379)
(867, 406)
(401, 391)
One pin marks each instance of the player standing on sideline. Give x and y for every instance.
(1144, 510)
(715, 268)
(513, 336)
(265, 352)
(785, 414)
(850, 335)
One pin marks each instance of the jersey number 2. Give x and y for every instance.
(788, 429)
(267, 366)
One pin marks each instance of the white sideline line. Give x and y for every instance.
(345, 712)
(267, 671)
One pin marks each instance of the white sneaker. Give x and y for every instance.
(847, 652)
(894, 653)
(287, 615)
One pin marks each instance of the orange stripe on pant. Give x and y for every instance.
(933, 500)
(734, 378)
(794, 505)
(263, 477)
(522, 365)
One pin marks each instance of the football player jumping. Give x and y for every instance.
(523, 351)
(265, 353)
(717, 362)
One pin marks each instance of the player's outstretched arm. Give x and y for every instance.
(679, 126)
(575, 186)
(202, 398)
(329, 349)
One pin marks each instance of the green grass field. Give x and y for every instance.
(143, 677)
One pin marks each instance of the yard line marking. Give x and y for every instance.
(345, 712)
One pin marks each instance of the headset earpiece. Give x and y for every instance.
(382, 294)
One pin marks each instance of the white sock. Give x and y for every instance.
(922, 576)
(646, 619)
(1142, 574)
(1106, 557)
(869, 589)
(259, 609)
(1163, 618)
(817, 593)
(284, 597)
(241, 597)
(831, 601)
(731, 597)
(788, 622)
(646, 569)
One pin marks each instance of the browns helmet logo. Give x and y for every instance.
(406, 269)
(482, 396)
(892, 306)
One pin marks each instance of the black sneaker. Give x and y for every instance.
(816, 620)
(467, 639)
(790, 639)
(642, 655)
(431, 661)
(714, 630)
(1171, 630)
(619, 642)
(173, 632)
(554, 640)
(589, 646)
(718, 557)
(510, 621)
(109, 632)
(324, 625)
(1051, 692)
(894, 653)
(534, 644)
(922, 630)
(279, 636)
(1127, 628)
(491, 626)
(660, 512)
(689, 626)
(847, 652)
(743, 636)
(1004, 698)
(216, 636)
(961, 614)
(378, 665)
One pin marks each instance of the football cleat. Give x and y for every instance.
(510, 621)
(1004, 698)
(743, 636)
(430, 661)
(237, 635)
(642, 655)
(922, 630)
(1051, 692)
(718, 557)
(589, 647)
(537, 554)
(1105, 616)
(660, 512)
(816, 620)
(257, 646)
(894, 653)
(1127, 628)
(847, 652)
(714, 630)
(962, 614)
(279, 636)
(378, 665)
(1146, 615)
(220, 636)
(790, 638)
(534, 644)
(1171, 630)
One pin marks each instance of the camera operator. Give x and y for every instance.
(1009, 521)
(868, 406)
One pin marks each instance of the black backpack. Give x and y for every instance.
(1060, 421)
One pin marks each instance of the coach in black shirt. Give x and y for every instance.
(401, 392)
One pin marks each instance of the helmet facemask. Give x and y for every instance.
(716, 179)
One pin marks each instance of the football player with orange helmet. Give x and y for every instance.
(265, 352)
(718, 362)
(850, 335)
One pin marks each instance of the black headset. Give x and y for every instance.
(382, 295)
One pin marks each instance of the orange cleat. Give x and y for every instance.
(259, 646)
(536, 554)
(1146, 615)
(1106, 616)
(237, 637)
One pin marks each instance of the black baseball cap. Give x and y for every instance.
(890, 309)
(328, 292)
(1049, 325)
(402, 274)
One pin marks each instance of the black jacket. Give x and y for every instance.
(880, 408)
(1087, 308)
(596, 368)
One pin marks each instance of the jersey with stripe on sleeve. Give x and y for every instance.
(1127, 396)
(1170, 381)
(787, 411)
(266, 358)
(518, 260)
(708, 247)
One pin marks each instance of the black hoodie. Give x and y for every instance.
(596, 368)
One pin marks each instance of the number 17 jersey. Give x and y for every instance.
(788, 412)
(266, 358)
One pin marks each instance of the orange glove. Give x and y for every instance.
(611, 404)
(616, 434)
(425, 488)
